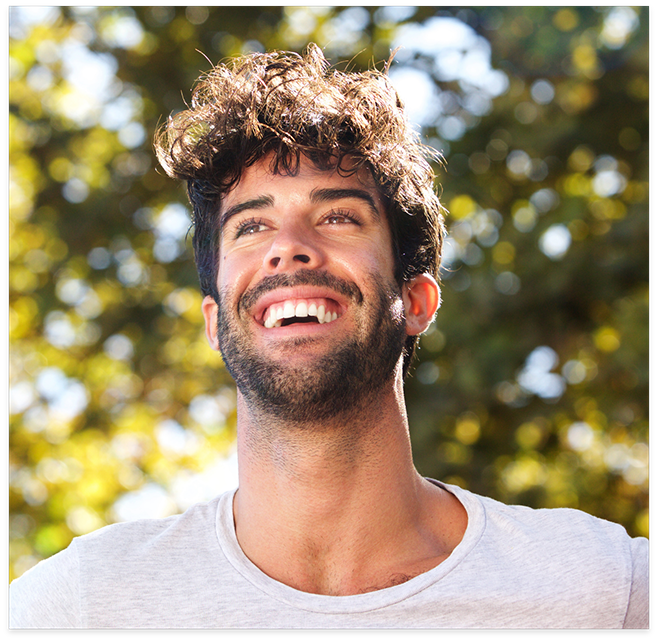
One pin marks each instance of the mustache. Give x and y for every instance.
(301, 277)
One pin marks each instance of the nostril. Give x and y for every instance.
(278, 262)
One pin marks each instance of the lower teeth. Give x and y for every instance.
(283, 322)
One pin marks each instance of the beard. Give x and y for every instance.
(334, 384)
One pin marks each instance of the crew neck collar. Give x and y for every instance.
(357, 602)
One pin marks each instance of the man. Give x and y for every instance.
(317, 240)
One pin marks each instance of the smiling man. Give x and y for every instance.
(312, 324)
(309, 318)
(317, 240)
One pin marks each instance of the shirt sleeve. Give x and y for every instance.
(48, 595)
(637, 615)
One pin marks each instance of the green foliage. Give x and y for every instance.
(532, 384)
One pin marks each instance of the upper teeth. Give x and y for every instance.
(297, 309)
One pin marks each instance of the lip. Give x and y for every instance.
(297, 292)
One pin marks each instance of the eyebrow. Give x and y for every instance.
(260, 202)
(327, 195)
(316, 196)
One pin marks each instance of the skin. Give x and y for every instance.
(332, 506)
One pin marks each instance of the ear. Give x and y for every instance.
(422, 297)
(209, 309)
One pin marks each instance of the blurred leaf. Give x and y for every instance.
(532, 384)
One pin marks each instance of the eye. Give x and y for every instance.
(250, 227)
(340, 217)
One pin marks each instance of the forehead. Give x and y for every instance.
(260, 178)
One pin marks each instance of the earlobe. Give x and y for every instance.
(209, 309)
(422, 297)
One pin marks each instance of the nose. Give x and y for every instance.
(291, 249)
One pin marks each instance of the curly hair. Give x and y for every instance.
(287, 105)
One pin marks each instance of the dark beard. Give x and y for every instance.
(336, 383)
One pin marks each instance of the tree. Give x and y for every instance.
(532, 384)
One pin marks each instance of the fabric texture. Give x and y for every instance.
(515, 568)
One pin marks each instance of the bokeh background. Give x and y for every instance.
(532, 384)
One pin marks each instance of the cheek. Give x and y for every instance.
(236, 269)
(385, 255)
(383, 259)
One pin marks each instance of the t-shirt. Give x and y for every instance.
(515, 567)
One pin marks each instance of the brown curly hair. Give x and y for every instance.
(286, 105)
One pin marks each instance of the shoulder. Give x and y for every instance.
(145, 536)
(561, 526)
(560, 535)
(108, 561)
(585, 560)
(46, 596)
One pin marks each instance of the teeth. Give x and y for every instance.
(271, 320)
(301, 309)
(273, 317)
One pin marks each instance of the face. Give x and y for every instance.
(310, 320)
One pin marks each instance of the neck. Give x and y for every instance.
(325, 507)
(336, 445)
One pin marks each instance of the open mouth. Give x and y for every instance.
(288, 312)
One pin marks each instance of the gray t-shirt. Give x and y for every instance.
(515, 568)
